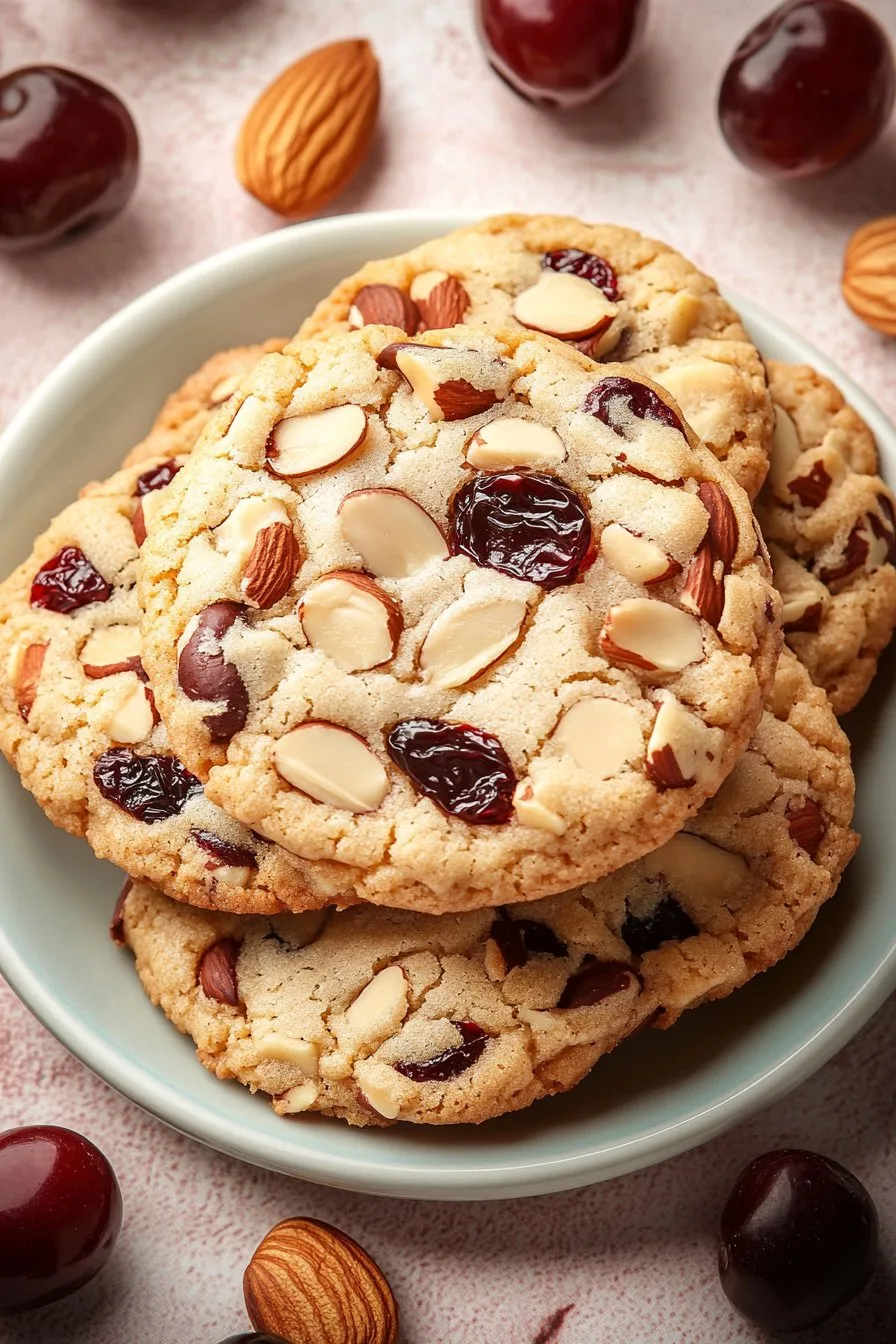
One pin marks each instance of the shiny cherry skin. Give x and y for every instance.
(60, 1215)
(69, 155)
(808, 88)
(798, 1239)
(560, 52)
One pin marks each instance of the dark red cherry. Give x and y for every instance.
(68, 581)
(570, 261)
(808, 89)
(464, 770)
(666, 922)
(528, 526)
(235, 856)
(518, 939)
(68, 155)
(618, 401)
(60, 1215)
(148, 788)
(560, 52)
(595, 981)
(451, 1062)
(798, 1239)
(157, 477)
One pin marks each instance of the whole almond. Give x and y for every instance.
(217, 972)
(869, 274)
(806, 824)
(385, 306)
(311, 1284)
(444, 305)
(272, 565)
(309, 132)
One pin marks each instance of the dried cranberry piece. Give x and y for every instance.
(531, 527)
(205, 674)
(595, 981)
(464, 770)
(451, 1062)
(148, 788)
(233, 855)
(615, 401)
(665, 923)
(68, 581)
(586, 266)
(517, 939)
(157, 477)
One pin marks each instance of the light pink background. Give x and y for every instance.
(635, 1257)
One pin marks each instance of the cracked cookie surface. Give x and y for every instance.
(377, 1015)
(830, 522)
(77, 717)
(466, 615)
(615, 294)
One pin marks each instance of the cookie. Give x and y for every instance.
(830, 524)
(613, 293)
(185, 412)
(466, 615)
(78, 719)
(378, 1015)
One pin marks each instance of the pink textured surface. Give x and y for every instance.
(635, 1257)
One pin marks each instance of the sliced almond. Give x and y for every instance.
(290, 1050)
(349, 617)
(681, 748)
(682, 315)
(441, 298)
(385, 306)
(115, 649)
(134, 718)
(272, 565)
(25, 668)
(651, 635)
(301, 444)
(235, 537)
(802, 612)
(231, 874)
(391, 533)
(705, 389)
(464, 640)
(377, 1012)
(452, 383)
(297, 1099)
(693, 866)
(564, 305)
(635, 557)
(531, 811)
(786, 448)
(513, 442)
(332, 765)
(378, 1094)
(601, 735)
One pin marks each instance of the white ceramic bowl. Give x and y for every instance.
(661, 1093)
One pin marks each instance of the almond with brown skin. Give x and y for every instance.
(27, 677)
(806, 824)
(309, 1283)
(704, 590)
(443, 304)
(272, 565)
(384, 306)
(217, 972)
(723, 530)
(309, 132)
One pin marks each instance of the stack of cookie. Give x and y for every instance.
(426, 675)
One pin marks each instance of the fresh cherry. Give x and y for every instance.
(464, 770)
(798, 1239)
(528, 526)
(808, 89)
(60, 1215)
(560, 52)
(68, 155)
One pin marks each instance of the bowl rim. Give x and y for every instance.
(482, 1179)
